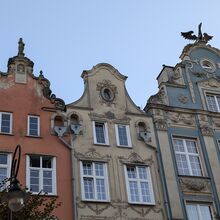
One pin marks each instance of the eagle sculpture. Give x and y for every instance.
(200, 38)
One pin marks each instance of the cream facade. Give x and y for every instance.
(115, 168)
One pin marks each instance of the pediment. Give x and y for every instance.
(210, 83)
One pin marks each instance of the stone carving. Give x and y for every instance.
(158, 98)
(135, 158)
(200, 74)
(21, 47)
(195, 184)
(183, 99)
(59, 103)
(212, 82)
(110, 115)
(160, 124)
(176, 77)
(206, 130)
(91, 154)
(179, 118)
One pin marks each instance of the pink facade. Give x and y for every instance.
(27, 110)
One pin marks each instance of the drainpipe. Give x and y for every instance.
(73, 172)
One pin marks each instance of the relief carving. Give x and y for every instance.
(183, 99)
(176, 77)
(135, 158)
(160, 124)
(212, 82)
(182, 119)
(158, 98)
(200, 74)
(91, 154)
(206, 130)
(195, 184)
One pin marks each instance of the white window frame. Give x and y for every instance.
(215, 98)
(38, 125)
(105, 133)
(198, 210)
(10, 129)
(94, 177)
(188, 154)
(41, 169)
(139, 180)
(127, 133)
(8, 167)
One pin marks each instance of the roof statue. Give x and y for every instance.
(200, 38)
(21, 47)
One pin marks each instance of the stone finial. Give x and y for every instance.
(21, 48)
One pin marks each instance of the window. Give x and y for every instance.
(41, 174)
(94, 181)
(213, 102)
(33, 125)
(198, 212)
(5, 161)
(123, 135)
(138, 183)
(187, 157)
(5, 122)
(100, 132)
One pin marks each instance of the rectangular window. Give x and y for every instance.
(5, 122)
(100, 133)
(213, 102)
(198, 212)
(94, 181)
(187, 157)
(41, 174)
(33, 125)
(123, 135)
(5, 162)
(139, 185)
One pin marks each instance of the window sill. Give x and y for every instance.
(31, 136)
(142, 204)
(122, 146)
(43, 195)
(9, 134)
(103, 145)
(96, 201)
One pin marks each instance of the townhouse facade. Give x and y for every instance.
(115, 161)
(28, 113)
(185, 113)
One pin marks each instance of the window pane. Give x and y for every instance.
(34, 180)
(47, 181)
(5, 124)
(133, 186)
(33, 126)
(3, 174)
(88, 188)
(131, 171)
(47, 161)
(99, 169)
(178, 145)
(195, 165)
(191, 146)
(3, 159)
(205, 212)
(87, 169)
(100, 188)
(35, 161)
(182, 165)
(145, 192)
(212, 105)
(100, 132)
(192, 212)
(142, 172)
(122, 135)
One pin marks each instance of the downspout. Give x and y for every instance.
(73, 173)
(162, 177)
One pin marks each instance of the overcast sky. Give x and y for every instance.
(65, 37)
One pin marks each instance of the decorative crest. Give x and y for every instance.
(21, 47)
(200, 38)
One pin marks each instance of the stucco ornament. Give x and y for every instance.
(107, 91)
(195, 184)
(158, 98)
(180, 118)
(212, 82)
(183, 99)
(160, 124)
(206, 130)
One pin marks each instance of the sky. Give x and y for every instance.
(65, 37)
